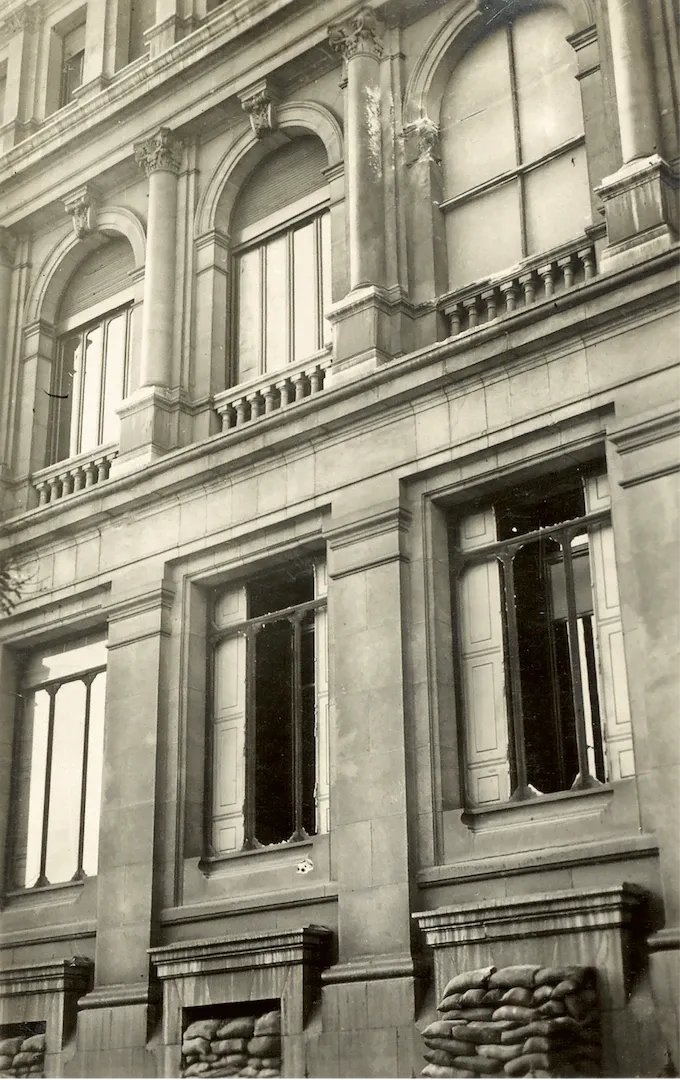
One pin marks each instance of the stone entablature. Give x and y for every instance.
(46, 993)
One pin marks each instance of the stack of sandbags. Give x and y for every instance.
(520, 1021)
(244, 1046)
(22, 1056)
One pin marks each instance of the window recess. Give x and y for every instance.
(541, 668)
(269, 715)
(72, 64)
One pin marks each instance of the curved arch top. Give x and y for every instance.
(67, 254)
(303, 117)
(426, 84)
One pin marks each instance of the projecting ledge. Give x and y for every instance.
(307, 945)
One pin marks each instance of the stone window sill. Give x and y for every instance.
(43, 893)
(212, 865)
(558, 805)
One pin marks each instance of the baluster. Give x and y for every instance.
(256, 405)
(67, 484)
(472, 312)
(588, 262)
(43, 490)
(300, 383)
(316, 380)
(228, 417)
(90, 474)
(241, 407)
(566, 265)
(455, 317)
(102, 467)
(509, 291)
(270, 397)
(489, 298)
(55, 488)
(529, 287)
(78, 478)
(285, 389)
(546, 274)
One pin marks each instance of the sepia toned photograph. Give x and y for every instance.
(339, 539)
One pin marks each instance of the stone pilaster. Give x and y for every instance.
(640, 202)
(167, 27)
(144, 430)
(19, 120)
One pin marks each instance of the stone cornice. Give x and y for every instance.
(153, 600)
(48, 977)
(273, 948)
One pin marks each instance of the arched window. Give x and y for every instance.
(513, 149)
(281, 244)
(92, 352)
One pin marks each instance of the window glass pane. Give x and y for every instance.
(582, 586)
(548, 94)
(276, 303)
(477, 128)
(326, 272)
(92, 386)
(483, 236)
(249, 310)
(114, 375)
(557, 201)
(274, 816)
(36, 719)
(71, 77)
(63, 828)
(305, 292)
(64, 414)
(95, 761)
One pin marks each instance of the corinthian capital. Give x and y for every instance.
(259, 101)
(359, 35)
(160, 152)
(82, 206)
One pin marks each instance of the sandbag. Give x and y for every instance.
(268, 1024)
(204, 1028)
(442, 1029)
(518, 995)
(515, 1012)
(517, 975)
(444, 1071)
(527, 1063)
(10, 1047)
(228, 1046)
(240, 1028)
(469, 980)
(34, 1042)
(264, 1046)
(197, 1045)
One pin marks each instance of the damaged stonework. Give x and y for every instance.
(421, 142)
(523, 1020)
(373, 130)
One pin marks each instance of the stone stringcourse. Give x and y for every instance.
(22, 1056)
(524, 1020)
(243, 1046)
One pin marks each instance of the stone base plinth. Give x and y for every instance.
(372, 325)
(641, 209)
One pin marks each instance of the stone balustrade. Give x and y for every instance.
(530, 282)
(73, 475)
(277, 390)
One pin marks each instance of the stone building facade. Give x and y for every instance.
(339, 446)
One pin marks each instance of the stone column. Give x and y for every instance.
(107, 31)
(160, 159)
(629, 22)
(19, 121)
(7, 249)
(639, 200)
(358, 41)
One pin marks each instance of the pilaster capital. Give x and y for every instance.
(360, 35)
(26, 18)
(259, 101)
(82, 206)
(8, 245)
(159, 153)
(421, 141)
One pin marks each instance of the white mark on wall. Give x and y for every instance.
(373, 130)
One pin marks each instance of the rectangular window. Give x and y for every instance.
(283, 293)
(72, 63)
(91, 383)
(58, 765)
(540, 656)
(269, 715)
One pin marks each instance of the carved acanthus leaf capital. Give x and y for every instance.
(260, 101)
(359, 35)
(160, 152)
(26, 18)
(82, 206)
(421, 141)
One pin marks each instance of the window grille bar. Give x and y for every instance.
(502, 547)
(249, 839)
(80, 873)
(253, 625)
(523, 789)
(297, 748)
(42, 876)
(584, 778)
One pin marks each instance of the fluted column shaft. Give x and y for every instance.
(634, 78)
(358, 41)
(160, 158)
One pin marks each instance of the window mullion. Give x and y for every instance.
(42, 877)
(290, 296)
(297, 748)
(80, 874)
(262, 309)
(584, 779)
(518, 138)
(249, 824)
(523, 789)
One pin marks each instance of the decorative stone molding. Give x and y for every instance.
(159, 153)
(359, 35)
(516, 1021)
(259, 102)
(82, 206)
(8, 244)
(26, 18)
(421, 142)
